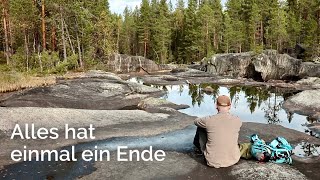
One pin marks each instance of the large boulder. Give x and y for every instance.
(125, 63)
(313, 82)
(264, 66)
(272, 65)
(229, 64)
(309, 69)
(306, 102)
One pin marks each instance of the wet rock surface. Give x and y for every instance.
(265, 66)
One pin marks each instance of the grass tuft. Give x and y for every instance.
(13, 81)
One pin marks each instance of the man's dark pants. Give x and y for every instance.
(200, 139)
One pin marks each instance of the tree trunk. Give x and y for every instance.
(53, 39)
(145, 49)
(207, 39)
(5, 29)
(62, 37)
(214, 38)
(79, 45)
(68, 35)
(262, 33)
(39, 57)
(145, 43)
(43, 25)
(34, 43)
(35, 33)
(26, 48)
(79, 51)
(118, 36)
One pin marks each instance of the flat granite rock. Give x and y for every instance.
(306, 102)
(94, 90)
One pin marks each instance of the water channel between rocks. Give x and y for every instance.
(251, 104)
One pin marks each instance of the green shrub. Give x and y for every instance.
(258, 49)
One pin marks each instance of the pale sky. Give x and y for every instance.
(117, 6)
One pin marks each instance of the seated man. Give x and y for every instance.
(217, 136)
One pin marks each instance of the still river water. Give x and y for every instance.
(251, 104)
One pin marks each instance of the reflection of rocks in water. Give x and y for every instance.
(314, 128)
(312, 119)
(305, 149)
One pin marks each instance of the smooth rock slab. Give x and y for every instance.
(93, 91)
(251, 170)
(306, 103)
(153, 103)
(58, 117)
(188, 166)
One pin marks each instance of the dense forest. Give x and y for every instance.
(54, 35)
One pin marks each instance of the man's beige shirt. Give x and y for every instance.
(222, 148)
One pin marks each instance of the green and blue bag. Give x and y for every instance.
(278, 150)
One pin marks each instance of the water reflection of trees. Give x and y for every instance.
(310, 149)
(164, 88)
(255, 96)
(197, 94)
(215, 90)
(272, 110)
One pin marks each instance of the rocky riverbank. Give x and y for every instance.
(124, 109)
(268, 65)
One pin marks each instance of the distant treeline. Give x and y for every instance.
(45, 35)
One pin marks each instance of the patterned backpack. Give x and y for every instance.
(277, 151)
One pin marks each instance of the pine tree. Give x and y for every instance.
(127, 33)
(144, 27)
(23, 14)
(276, 33)
(192, 35)
(237, 31)
(208, 29)
(162, 32)
(178, 32)
(227, 33)
(310, 26)
(218, 23)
